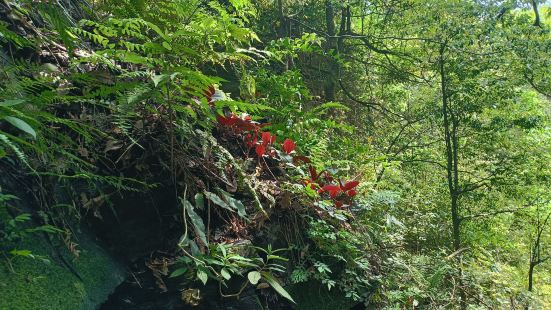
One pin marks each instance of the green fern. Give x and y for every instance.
(20, 155)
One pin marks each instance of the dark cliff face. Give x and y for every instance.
(137, 224)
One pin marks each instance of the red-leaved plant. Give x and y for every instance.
(340, 193)
(267, 141)
(289, 146)
(334, 190)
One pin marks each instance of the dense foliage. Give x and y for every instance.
(390, 154)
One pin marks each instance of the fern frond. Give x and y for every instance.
(239, 106)
(20, 155)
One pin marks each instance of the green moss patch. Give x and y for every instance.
(39, 285)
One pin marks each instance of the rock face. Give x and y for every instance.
(67, 282)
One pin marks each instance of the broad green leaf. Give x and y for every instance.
(277, 257)
(217, 200)
(213, 261)
(22, 217)
(157, 79)
(21, 253)
(196, 221)
(47, 229)
(11, 102)
(222, 249)
(158, 31)
(178, 272)
(228, 202)
(21, 124)
(225, 274)
(254, 277)
(199, 201)
(194, 248)
(234, 203)
(202, 275)
(167, 45)
(184, 259)
(276, 286)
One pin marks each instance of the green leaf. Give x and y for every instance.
(234, 203)
(22, 217)
(228, 202)
(194, 248)
(217, 200)
(47, 229)
(196, 221)
(158, 31)
(25, 253)
(157, 79)
(167, 45)
(199, 201)
(277, 257)
(222, 249)
(184, 259)
(21, 124)
(178, 272)
(225, 274)
(11, 102)
(254, 277)
(202, 275)
(276, 286)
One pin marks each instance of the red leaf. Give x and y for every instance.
(349, 185)
(266, 138)
(299, 159)
(289, 145)
(331, 187)
(227, 121)
(313, 173)
(338, 204)
(243, 125)
(328, 177)
(351, 193)
(273, 139)
(250, 140)
(333, 190)
(260, 150)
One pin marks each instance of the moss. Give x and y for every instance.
(40, 285)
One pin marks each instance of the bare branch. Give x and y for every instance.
(366, 103)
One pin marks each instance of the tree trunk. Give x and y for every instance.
(450, 136)
(282, 30)
(531, 277)
(330, 84)
(537, 20)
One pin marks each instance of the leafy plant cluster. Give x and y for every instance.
(395, 154)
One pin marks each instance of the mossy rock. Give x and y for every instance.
(40, 285)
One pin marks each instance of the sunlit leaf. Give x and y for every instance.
(254, 277)
(21, 124)
(276, 286)
(178, 272)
